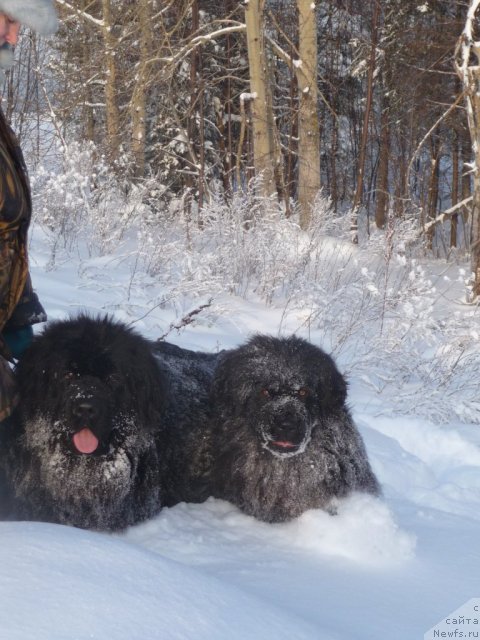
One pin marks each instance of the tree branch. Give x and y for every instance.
(81, 14)
(431, 130)
(196, 42)
(446, 214)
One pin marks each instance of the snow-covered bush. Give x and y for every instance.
(84, 202)
(372, 306)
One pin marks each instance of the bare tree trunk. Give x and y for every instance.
(88, 100)
(202, 190)
(475, 237)
(334, 184)
(224, 125)
(467, 62)
(197, 106)
(465, 149)
(112, 114)
(465, 181)
(455, 189)
(191, 120)
(275, 135)
(262, 120)
(432, 194)
(382, 199)
(139, 95)
(366, 119)
(292, 151)
(308, 125)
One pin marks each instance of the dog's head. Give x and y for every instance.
(282, 388)
(88, 378)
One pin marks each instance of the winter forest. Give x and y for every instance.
(365, 101)
(204, 171)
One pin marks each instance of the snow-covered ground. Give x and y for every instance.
(381, 570)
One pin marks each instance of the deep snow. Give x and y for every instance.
(381, 570)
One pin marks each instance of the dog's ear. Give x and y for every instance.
(37, 375)
(147, 386)
(331, 385)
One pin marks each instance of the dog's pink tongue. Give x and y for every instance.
(85, 441)
(285, 444)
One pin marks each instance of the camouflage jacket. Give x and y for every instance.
(19, 305)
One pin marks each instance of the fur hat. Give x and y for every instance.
(39, 15)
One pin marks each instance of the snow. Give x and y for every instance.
(423, 8)
(68, 592)
(245, 96)
(387, 568)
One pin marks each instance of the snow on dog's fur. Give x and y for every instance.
(283, 440)
(85, 446)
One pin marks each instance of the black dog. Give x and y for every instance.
(86, 444)
(282, 439)
(187, 416)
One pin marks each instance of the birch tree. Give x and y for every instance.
(111, 105)
(262, 118)
(308, 125)
(139, 95)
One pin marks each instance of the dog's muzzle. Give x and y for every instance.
(87, 411)
(286, 429)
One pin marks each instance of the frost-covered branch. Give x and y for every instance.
(431, 130)
(295, 65)
(186, 320)
(82, 14)
(197, 42)
(442, 217)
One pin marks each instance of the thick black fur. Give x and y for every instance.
(90, 373)
(189, 375)
(283, 440)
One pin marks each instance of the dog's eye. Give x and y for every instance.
(265, 393)
(302, 393)
(114, 380)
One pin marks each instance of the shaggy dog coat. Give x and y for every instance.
(86, 445)
(283, 440)
(189, 376)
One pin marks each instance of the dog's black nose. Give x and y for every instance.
(288, 430)
(86, 411)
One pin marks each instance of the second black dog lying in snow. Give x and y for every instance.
(279, 439)
(282, 439)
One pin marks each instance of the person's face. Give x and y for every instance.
(8, 30)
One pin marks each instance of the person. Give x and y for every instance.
(20, 307)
